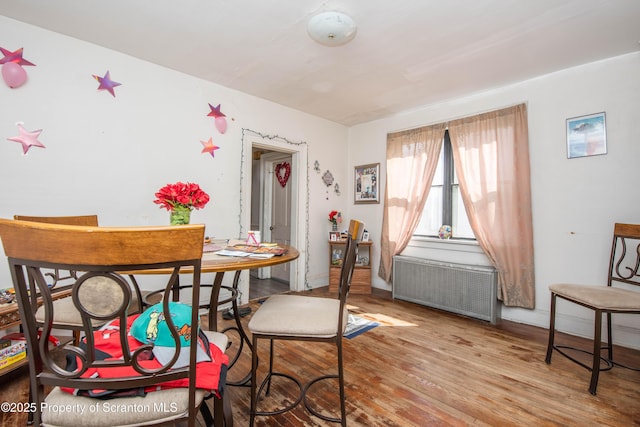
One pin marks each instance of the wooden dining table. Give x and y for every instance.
(212, 262)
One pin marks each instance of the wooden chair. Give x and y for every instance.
(624, 265)
(67, 317)
(34, 248)
(304, 318)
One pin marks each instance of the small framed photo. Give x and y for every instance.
(334, 236)
(366, 188)
(586, 136)
(365, 236)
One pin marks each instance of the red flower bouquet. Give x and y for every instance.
(187, 195)
(335, 217)
(180, 199)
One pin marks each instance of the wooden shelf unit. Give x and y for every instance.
(361, 279)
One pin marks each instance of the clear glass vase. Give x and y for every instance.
(180, 215)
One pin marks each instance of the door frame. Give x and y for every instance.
(267, 163)
(299, 196)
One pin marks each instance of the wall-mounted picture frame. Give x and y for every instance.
(366, 184)
(586, 136)
(334, 236)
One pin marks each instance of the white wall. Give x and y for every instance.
(575, 201)
(109, 155)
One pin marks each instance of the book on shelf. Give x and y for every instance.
(14, 353)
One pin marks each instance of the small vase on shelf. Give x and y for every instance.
(180, 215)
(334, 227)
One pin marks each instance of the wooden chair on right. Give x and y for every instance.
(305, 318)
(606, 300)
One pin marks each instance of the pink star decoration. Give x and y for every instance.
(14, 57)
(209, 147)
(27, 139)
(106, 83)
(215, 111)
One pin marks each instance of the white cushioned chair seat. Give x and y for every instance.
(217, 338)
(122, 411)
(599, 297)
(297, 315)
(126, 411)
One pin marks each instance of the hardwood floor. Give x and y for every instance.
(260, 288)
(423, 367)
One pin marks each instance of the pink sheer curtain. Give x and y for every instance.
(412, 157)
(491, 159)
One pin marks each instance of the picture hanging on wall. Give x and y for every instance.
(366, 183)
(586, 136)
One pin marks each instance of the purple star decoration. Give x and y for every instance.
(106, 83)
(14, 57)
(215, 111)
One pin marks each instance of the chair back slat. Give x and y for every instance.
(68, 244)
(90, 220)
(624, 266)
(101, 258)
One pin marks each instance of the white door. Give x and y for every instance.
(277, 207)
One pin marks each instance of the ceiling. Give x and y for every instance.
(406, 54)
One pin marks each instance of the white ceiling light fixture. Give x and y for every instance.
(332, 28)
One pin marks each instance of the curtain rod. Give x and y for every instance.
(446, 122)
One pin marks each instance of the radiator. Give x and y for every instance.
(462, 289)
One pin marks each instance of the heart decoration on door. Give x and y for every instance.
(283, 170)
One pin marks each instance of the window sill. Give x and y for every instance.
(447, 250)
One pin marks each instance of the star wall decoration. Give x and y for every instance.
(106, 83)
(215, 111)
(27, 139)
(209, 147)
(14, 57)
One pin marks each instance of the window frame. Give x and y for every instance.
(448, 184)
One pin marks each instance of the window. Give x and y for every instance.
(444, 204)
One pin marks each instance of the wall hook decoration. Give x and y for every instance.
(316, 166)
(327, 178)
(336, 189)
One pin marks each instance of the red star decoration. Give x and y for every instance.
(14, 57)
(27, 139)
(106, 83)
(215, 112)
(209, 147)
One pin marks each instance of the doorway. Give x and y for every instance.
(275, 151)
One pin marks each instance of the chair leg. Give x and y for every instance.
(254, 380)
(266, 393)
(206, 413)
(609, 339)
(343, 409)
(597, 345)
(227, 410)
(223, 414)
(552, 328)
